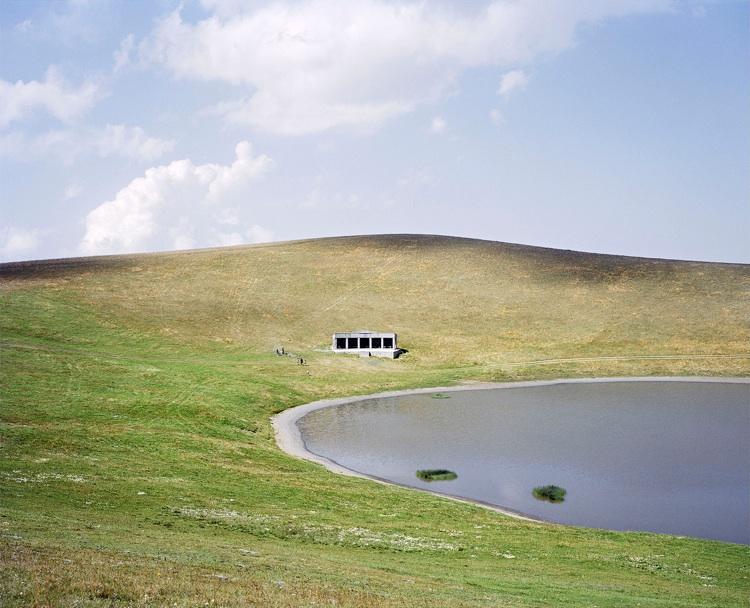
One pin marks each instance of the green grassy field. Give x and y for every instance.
(138, 466)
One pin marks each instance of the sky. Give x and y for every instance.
(617, 126)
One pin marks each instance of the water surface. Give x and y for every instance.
(670, 457)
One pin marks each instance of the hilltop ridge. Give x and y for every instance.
(454, 299)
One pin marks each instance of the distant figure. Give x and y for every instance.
(282, 351)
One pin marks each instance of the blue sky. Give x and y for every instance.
(617, 127)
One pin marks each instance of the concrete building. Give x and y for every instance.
(366, 343)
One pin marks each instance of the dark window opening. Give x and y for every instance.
(340, 342)
(364, 342)
(387, 342)
(351, 342)
(377, 342)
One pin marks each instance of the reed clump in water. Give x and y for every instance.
(436, 475)
(550, 493)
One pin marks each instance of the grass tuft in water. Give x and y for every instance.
(436, 475)
(550, 493)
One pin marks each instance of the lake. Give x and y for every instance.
(661, 456)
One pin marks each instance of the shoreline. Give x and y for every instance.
(289, 438)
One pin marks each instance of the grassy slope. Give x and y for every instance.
(137, 463)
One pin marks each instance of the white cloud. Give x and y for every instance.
(226, 7)
(131, 142)
(497, 118)
(72, 191)
(122, 55)
(69, 144)
(69, 22)
(323, 198)
(16, 243)
(515, 80)
(23, 27)
(437, 126)
(53, 95)
(252, 234)
(258, 234)
(313, 65)
(417, 178)
(176, 206)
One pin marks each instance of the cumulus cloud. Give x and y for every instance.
(514, 80)
(16, 243)
(69, 144)
(314, 65)
(53, 95)
(178, 206)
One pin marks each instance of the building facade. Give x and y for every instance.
(366, 343)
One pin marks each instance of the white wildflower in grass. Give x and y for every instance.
(19, 477)
(319, 533)
(224, 515)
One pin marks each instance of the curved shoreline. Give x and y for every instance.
(289, 437)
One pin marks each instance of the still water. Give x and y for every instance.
(670, 457)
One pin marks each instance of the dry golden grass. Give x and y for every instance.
(453, 301)
(46, 577)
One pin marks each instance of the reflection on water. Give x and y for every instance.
(668, 457)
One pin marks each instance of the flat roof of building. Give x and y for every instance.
(364, 332)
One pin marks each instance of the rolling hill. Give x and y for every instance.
(137, 461)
